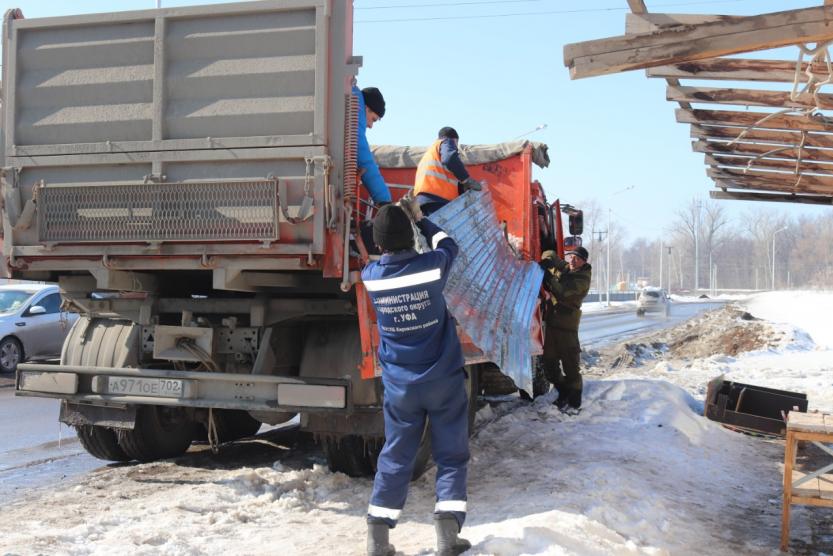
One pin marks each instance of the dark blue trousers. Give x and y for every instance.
(406, 407)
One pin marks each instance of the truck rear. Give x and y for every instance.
(188, 177)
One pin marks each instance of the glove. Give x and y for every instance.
(411, 207)
(553, 261)
(471, 184)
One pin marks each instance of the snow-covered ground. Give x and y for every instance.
(639, 471)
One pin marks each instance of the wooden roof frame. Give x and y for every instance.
(782, 152)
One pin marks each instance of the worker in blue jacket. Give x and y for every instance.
(371, 110)
(422, 375)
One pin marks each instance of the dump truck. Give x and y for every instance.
(188, 177)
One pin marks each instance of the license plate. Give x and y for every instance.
(159, 387)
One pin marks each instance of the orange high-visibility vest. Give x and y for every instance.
(434, 178)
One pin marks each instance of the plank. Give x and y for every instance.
(808, 422)
(723, 195)
(639, 23)
(826, 486)
(784, 138)
(756, 149)
(637, 6)
(741, 162)
(754, 184)
(737, 69)
(733, 117)
(790, 182)
(810, 489)
(697, 42)
(744, 97)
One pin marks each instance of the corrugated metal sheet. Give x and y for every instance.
(491, 292)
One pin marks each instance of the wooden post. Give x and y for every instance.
(789, 460)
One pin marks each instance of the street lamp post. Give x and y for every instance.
(609, 236)
(773, 254)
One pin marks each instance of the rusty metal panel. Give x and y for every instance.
(492, 292)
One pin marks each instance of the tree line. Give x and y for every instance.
(731, 253)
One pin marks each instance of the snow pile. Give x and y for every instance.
(637, 472)
(779, 352)
(810, 311)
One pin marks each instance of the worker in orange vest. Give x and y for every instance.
(441, 176)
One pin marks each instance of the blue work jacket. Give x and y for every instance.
(418, 336)
(372, 177)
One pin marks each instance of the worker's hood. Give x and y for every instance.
(391, 156)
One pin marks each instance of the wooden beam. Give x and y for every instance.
(787, 182)
(764, 185)
(771, 197)
(697, 42)
(760, 185)
(744, 97)
(736, 118)
(637, 6)
(640, 23)
(736, 69)
(752, 150)
(740, 163)
(813, 140)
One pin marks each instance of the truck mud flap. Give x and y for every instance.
(77, 415)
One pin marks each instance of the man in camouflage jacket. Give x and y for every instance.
(568, 282)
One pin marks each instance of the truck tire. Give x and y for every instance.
(160, 433)
(232, 424)
(493, 382)
(352, 454)
(101, 442)
(104, 343)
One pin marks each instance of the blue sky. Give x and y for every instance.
(494, 76)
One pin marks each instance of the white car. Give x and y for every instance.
(32, 325)
(652, 300)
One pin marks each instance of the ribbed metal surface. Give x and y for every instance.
(84, 84)
(351, 141)
(492, 294)
(201, 73)
(220, 211)
(241, 75)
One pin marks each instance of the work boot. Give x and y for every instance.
(448, 543)
(562, 399)
(378, 540)
(574, 399)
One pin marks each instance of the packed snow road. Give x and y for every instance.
(38, 452)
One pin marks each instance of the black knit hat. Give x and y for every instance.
(448, 133)
(579, 251)
(374, 100)
(392, 229)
